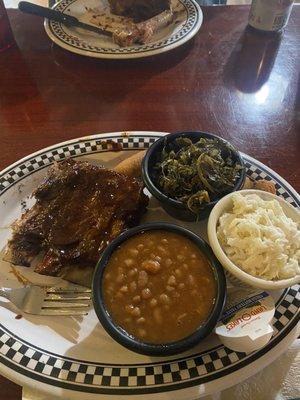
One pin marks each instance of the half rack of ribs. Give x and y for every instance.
(79, 209)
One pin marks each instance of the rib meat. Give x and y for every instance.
(139, 10)
(79, 209)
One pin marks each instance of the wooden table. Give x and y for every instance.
(238, 84)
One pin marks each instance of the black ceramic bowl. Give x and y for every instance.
(174, 207)
(125, 339)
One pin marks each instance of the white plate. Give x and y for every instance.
(90, 44)
(75, 358)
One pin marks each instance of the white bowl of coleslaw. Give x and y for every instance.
(255, 235)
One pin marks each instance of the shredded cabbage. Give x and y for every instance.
(259, 238)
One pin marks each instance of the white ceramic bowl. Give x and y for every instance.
(236, 274)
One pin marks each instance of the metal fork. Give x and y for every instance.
(39, 300)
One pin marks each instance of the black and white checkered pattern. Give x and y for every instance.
(189, 371)
(58, 30)
(105, 144)
(256, 173)
(72, 150)
(286, 309)
(137, 376)
(115, 376)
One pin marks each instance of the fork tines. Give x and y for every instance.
(75, 289)
(68, 294)
(66, 301)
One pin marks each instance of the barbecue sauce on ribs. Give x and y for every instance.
(79, 209)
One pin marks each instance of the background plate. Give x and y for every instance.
(90, 44)
(71, 356)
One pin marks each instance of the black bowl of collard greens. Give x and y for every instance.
(188, 172)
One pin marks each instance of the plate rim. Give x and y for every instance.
(134, 55)
(105, 136)
(139, 133)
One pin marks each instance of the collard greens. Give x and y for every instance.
(197, 173)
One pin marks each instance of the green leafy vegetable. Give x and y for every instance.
(197, 173)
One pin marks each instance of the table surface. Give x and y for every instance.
(233, 82)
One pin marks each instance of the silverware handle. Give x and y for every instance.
(5, 292)
(46, 12)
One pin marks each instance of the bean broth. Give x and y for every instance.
(159, 287)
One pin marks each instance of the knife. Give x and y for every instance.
(59, 16)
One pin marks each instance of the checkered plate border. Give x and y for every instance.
(191, 24)
(118, 379)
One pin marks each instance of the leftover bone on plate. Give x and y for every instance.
(125, 30)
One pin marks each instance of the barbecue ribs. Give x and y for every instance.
(79, 209)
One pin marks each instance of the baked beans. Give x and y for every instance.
(159, 287)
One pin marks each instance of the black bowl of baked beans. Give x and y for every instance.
(158, 289)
